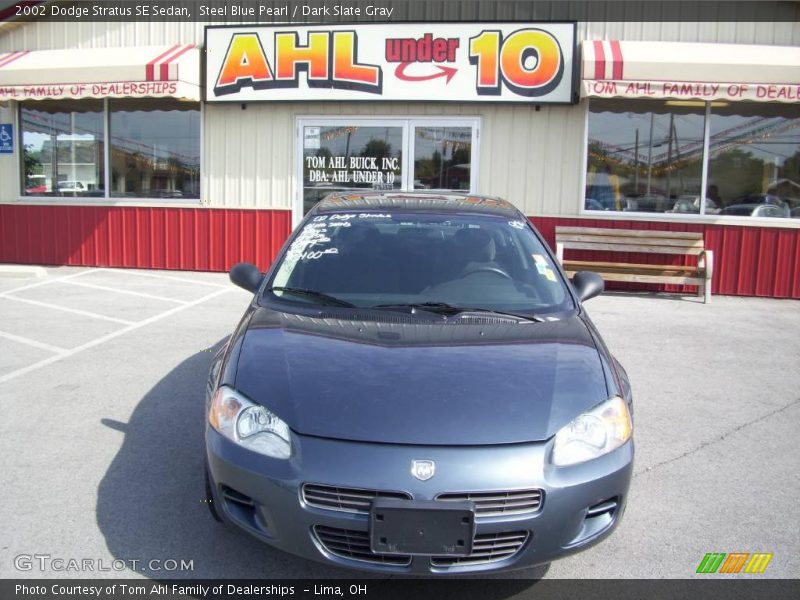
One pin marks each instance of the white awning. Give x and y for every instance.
(137, 72)
(689, 71)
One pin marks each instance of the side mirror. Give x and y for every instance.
(588, 284)
(247, 276)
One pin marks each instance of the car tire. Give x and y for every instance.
(209, 501)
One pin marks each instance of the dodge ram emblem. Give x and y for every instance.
(423, 469)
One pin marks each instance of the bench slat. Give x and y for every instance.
(567, 240)
(600, 267)
(686, 235)
(680, 273)
(641, 248)
(605, 265)
(649, 278)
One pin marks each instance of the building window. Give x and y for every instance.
(648, 156)
(644, 156)
(153, 148)
(357, 154)
(62, 148)
(754, 162)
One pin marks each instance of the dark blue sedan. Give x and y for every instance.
(416, 388)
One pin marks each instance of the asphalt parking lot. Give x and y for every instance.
(102, 373)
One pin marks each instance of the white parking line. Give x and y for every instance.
(34, 343)
(110, 336)
(128, 292)
(160, 276)
(76, 311)
(45, 282)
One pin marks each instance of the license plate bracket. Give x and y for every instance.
(421, 527)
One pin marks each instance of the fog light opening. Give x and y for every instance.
(231, 495)
(243, 509)
(606, 507)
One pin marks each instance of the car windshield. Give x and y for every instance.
(369, 259)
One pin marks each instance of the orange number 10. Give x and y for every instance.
(528, 61)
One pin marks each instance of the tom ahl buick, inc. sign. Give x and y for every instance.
(455, 62)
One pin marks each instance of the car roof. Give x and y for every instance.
(436, 202)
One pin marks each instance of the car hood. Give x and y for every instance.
(486, 381)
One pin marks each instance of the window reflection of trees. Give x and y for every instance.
(344, 142)
(156, 154)
(62, 144)
(653, 153)
(442, 157)
(155, 149)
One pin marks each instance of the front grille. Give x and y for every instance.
(354, 545)
(345, 499)
(487, 504)
(486, 548)
(496, 504)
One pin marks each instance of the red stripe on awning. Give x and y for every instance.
(150, 70)
(599, 60)
(14, 56)
(616, 55)
(165, 65)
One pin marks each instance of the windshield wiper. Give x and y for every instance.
(323, 298)
(450, 309)
(526, 316)
(441, 308)
(421, 305)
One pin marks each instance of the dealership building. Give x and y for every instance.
(172, 145)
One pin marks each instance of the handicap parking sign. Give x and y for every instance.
(6, 138)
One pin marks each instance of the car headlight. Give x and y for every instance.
(249, 424)
(594, 433)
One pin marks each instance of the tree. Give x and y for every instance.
(791, 167)
(323, 152)
(33, 165)
(378, 149)
(736, 173)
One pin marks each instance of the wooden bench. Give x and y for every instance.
(647, 242)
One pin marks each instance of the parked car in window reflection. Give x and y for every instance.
(652, 202)
(169, 194)
(758, 205)
(71, 187)
(633, 203)
(691, 205)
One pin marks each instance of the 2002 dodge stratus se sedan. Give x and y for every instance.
(415, 387)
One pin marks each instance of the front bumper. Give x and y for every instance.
(582, 504)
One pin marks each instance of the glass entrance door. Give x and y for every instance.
(356, 154)
(442, 157)
(350, 157)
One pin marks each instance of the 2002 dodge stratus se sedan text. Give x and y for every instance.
(415, 387)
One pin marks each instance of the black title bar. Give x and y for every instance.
(332, 11)
(707, 588)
